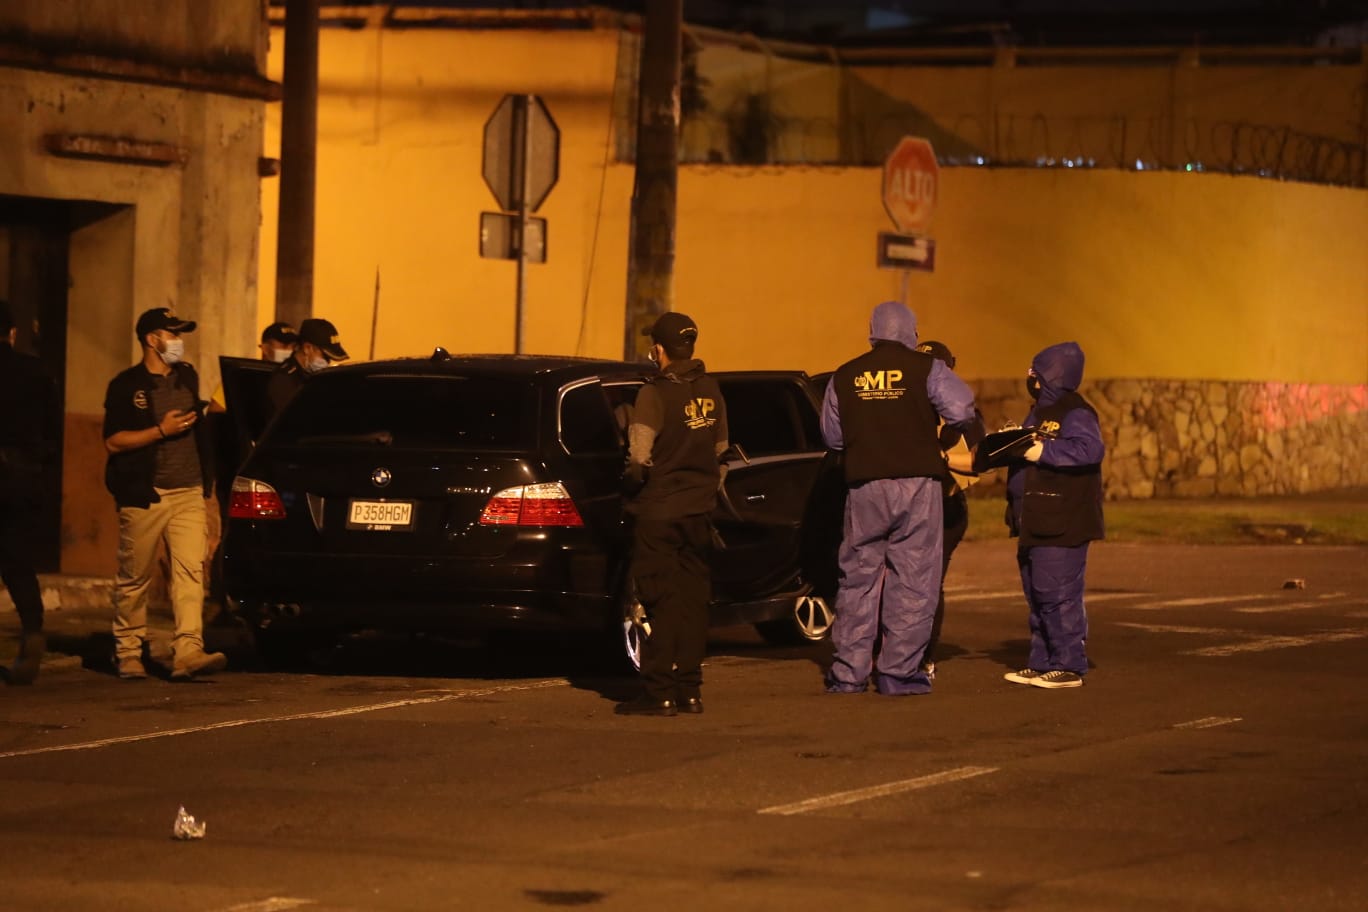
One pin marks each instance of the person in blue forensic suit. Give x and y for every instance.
(884, 409)
(1054, 508)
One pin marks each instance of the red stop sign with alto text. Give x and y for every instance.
(911, 183)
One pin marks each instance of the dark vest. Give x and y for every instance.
(887, 419)
(684, 472)
(1061, 507)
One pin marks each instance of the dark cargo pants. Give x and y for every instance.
(674, 582)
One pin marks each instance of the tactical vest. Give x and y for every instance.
(684, 472)
(887, 419)
(1061, 505)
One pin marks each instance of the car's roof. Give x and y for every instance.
(494, 365)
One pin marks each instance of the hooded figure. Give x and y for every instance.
(1054, 508)
(883, 409)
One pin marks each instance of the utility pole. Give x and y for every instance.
(650, 268)
(298, 164)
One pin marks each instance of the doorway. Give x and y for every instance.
(36, 275)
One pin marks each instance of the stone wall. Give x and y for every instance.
(1203, 438)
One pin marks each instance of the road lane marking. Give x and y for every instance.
(1286, 606)
(1268, 643)
(441, 697)
(1210, 722)
(1198, 601)
(1179, 628)
(274, 904)
(837, 799)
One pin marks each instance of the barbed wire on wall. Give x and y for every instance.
(1034, 140)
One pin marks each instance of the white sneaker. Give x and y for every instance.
(1024, 676)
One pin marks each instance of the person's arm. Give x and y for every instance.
(648, 417)
(953, 400)
(1078, 443)
(832, 433)
(176, 421)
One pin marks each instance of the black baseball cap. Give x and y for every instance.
(281, 332)
(938, 350)
(673, 330)
(323, 335)
(162, 318)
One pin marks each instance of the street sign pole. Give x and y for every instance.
(522, 151)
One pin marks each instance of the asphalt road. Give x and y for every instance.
(1215, 761)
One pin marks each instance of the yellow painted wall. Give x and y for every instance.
(1162, 275)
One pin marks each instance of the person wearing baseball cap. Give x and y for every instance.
(676, 438)
(278, 342)
(318, 346)
(160, 471)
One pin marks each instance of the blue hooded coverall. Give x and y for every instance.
(1052, 577)
(890, 557)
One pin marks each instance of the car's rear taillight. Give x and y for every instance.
(252, 499)
(532, 505)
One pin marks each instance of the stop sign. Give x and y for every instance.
(911, 181)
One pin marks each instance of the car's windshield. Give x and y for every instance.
(406, 411)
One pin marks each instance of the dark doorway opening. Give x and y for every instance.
(35, 239)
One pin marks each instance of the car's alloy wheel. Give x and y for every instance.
(635, 629)
(812, 617)
(810, 622)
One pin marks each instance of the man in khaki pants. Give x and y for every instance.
(160, 472)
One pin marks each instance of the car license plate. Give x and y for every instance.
(380, 515)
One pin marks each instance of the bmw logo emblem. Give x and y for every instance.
(381, 477)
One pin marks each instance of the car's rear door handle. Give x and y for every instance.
(754, 498)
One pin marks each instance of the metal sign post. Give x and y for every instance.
(521, 163)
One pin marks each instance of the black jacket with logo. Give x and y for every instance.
(1061, 505)
(684, 407)
(128, 407)
(889, 423)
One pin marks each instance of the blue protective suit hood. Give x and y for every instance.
(1060, 369)
(892, 321)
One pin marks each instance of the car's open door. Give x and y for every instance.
(238, 429)
(772, 472)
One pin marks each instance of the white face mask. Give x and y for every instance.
(280, 355)
(172, 351)
(316, 364)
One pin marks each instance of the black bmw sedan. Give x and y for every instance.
(482, 493)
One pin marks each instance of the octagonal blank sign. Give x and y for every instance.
(521, 138)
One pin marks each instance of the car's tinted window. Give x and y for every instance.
(587, 424)
(410, 412)
(770, 417)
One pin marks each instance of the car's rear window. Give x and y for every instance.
(410, 412)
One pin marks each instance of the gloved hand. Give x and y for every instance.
(1034, 451)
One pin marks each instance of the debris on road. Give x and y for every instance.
(1294, 584)
(186, 827)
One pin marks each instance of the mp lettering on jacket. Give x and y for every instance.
(882, 384)
(698, 413)
(1049, 428)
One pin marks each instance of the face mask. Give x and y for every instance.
(655, 359)
(1033, 386)
(316, 364)
(172, 351)
(280, 355)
